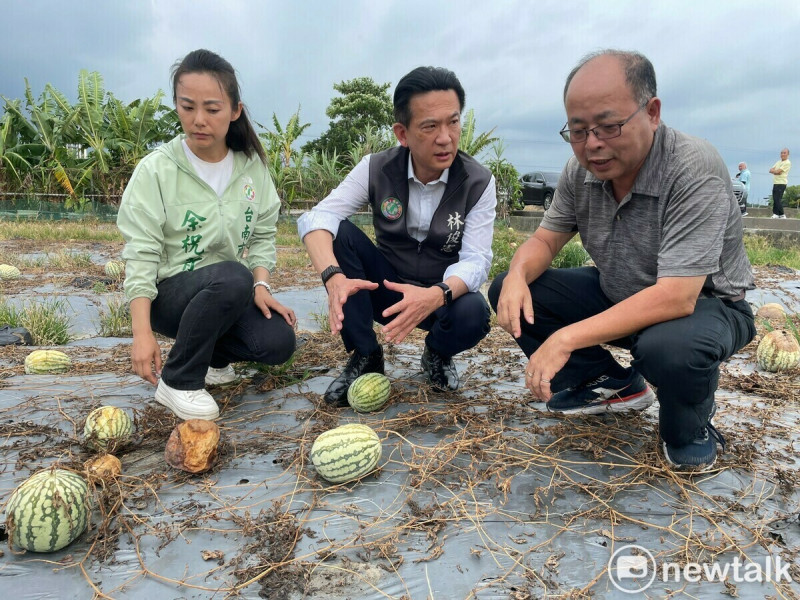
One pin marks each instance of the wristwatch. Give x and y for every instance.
(262, 284)
(330, 272)
(447, 292)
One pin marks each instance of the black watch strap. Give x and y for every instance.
(448, 293)
(330, 272)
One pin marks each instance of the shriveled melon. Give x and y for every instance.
(103, 467)
(773, 313)
(778, 351)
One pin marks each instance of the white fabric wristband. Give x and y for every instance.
(263, 284)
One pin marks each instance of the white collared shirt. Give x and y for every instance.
(475, 256)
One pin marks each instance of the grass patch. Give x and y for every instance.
(87, 230)
(63, 260)
(321, 319)
(294, 259)
(9, 314)
(278, 376)
(115, 320)
(507, 240)
(762, 252)
(287, 235)
(573, 254)
(67, 260)
(46, 321)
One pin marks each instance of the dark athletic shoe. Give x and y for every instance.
(358, 364)
(700, 453)
(604, 394)
(441, 371)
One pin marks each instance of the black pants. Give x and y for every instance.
(777, 197)
(211, 315)
(451, 329)
(680, 357)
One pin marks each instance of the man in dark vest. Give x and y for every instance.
(433, 209)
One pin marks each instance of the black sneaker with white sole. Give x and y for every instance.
(604, 394)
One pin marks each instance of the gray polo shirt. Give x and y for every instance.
(681, 219)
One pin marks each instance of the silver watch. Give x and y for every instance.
(263, 284)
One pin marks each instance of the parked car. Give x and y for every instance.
(538, 187)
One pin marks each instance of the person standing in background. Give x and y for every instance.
(780, 177)
(744, 176)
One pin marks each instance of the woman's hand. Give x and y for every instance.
(267, 304)
(146, 357)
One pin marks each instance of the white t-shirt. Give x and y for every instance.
(216, 174)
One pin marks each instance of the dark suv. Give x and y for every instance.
(538, 187)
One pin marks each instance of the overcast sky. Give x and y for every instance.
(727, 70)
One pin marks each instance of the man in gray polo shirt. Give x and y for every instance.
(656, 212)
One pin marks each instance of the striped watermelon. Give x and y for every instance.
(9, 272)
(346, 453)
(47, 361)
(48, 510)
(107, 425)
(114, 269)
(369, 392)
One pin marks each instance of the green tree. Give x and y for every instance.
(791, 197)
(362, 104)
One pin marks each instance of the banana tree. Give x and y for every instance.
(45, 148)
(281, 140)
(471, 142)
(12, 148)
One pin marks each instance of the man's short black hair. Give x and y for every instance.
(419, 81)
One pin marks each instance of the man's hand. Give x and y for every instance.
(340, 288)
(146, 357)
(417, 303)
(267, 303)
(515, 299)
(543, 365)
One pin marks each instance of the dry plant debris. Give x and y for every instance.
(525, 489)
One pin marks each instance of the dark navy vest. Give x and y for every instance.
(421, 262)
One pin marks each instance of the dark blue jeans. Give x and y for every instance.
(777, 198)
(680, 358)
(451, 329)
(211, 315)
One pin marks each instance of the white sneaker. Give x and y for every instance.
(221, 376)
(774, 216)
(191, 404)
(782, 217)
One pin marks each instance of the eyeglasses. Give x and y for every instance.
(601, 132)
